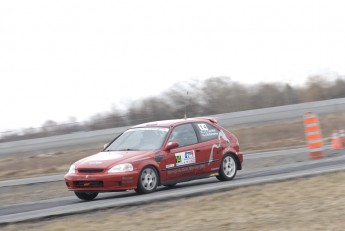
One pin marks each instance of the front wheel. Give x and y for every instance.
(148, 180)
(86, 196)
(228, 168)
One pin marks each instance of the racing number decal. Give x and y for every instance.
(202, 127)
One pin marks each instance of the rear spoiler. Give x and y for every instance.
(211, 119)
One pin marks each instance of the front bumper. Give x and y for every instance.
(102, 181)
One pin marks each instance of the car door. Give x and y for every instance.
(210, 145)
(183, 162)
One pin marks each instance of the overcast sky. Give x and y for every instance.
(77, 58)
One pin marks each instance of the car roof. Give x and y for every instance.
(169, 123)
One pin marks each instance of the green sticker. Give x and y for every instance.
(178, 159)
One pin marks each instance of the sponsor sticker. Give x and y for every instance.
(170, 165)
(190, 169)
(149, 129)
(212, 132)
(127, 179)
(214, 174)
(204, 131)
(183, 158)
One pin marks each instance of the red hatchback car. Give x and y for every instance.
(158, 153)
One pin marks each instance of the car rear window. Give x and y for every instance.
(206, 131)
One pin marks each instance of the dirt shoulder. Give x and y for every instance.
(41, 164)
(315, 203)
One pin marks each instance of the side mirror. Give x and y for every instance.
(171, 145)
(105, 145)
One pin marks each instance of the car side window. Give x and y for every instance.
(184, 135)
(206, 131)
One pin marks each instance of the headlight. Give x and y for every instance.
(121, 168)
(71, 169)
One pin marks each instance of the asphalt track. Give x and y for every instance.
(72, 205)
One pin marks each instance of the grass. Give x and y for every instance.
(288, 133)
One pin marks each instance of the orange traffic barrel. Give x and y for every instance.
(342, 137)
(313, 135)
(336, 143)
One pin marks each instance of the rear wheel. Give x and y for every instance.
(228, 168)
(86, 196)
(148, 180)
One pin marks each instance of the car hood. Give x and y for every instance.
(108, 159)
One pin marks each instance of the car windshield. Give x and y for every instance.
(148, 138)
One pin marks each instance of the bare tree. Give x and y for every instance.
(317, 89)
(211, 96)
(337, 90)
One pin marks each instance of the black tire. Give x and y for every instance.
(147, 181)
(228, 168)
(86, 196)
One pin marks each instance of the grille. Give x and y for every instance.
(88, 184)
(93, 170)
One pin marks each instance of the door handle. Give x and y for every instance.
(198, 150)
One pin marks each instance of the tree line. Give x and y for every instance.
(215, 95)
